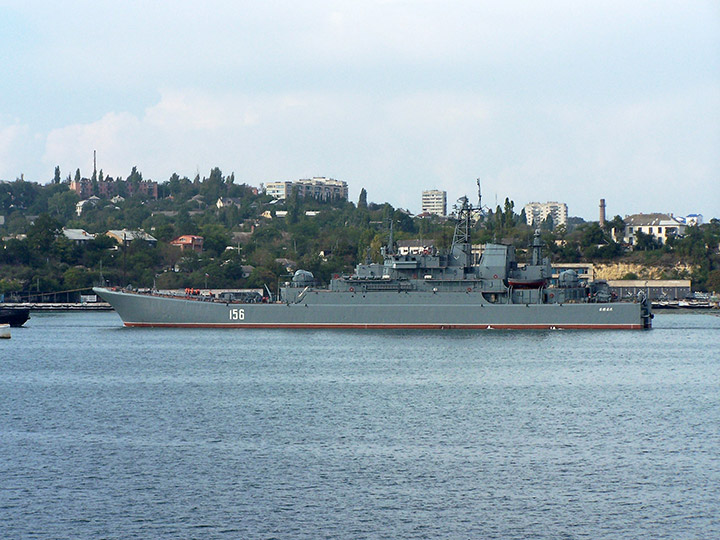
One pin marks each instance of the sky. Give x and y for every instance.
(564, 101)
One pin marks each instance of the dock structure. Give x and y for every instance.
(61, 306)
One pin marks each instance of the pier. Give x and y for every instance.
(60, 306)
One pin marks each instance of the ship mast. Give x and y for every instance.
(479, 210)
(463, 228)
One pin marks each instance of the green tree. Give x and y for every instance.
(62, 205)
(65, 251)
(362, 200)
(214, 187)
(135, 176)
(616, 227)
(77, 278)
(215, 239)
(42, 233)
(713, 281)
(293, 206)
(645, 242)
(10, 285)
(548, 224)
(183, 223)
(56, 178)
(498, 219)
(592, 235)
(509, 214)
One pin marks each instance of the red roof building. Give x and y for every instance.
(189, 241)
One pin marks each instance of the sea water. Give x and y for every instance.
(110, 432)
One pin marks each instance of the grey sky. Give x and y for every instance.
(566, 101)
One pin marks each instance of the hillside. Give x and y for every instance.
(253, 239)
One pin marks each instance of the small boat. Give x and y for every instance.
(14, 316)
(4, 331)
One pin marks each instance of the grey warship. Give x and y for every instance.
(428, 290)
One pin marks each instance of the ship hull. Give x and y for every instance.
(14, 316)
(379, 310)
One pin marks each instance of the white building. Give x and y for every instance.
(536, 213)
(659, 226)
(692, 220)
(279, 190)
(321, 188)
(434, 201)
(81, 205)
(324, 189)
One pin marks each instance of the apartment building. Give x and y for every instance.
(321, 188)
(434, 201)
(536, 213)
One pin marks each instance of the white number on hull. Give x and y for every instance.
(237, 314)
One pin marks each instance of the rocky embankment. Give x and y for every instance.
(614, 271)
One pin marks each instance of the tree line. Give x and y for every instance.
(243, 249)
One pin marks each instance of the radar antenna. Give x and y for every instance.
(480, 211)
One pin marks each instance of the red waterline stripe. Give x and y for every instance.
(395, 326)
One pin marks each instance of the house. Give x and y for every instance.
(125, 236)
(241, 237)
(189, 241)
(290, 266)
(19, 236)
(80, 206)
(198, 200)
(225, 202)
(78, 236)
(659, 226)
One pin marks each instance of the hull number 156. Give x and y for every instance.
(237, 314)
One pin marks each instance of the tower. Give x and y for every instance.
(602, 212)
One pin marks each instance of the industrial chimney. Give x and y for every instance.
(602, 212)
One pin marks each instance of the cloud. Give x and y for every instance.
(541, 101)
(395, 146)
(15, 139)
